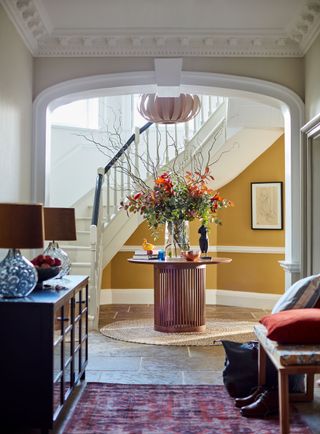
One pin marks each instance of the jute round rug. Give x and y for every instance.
(141, 331)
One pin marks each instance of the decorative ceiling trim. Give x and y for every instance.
(32, 22)
(307, 27)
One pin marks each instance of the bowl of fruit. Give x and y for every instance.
(47, 267)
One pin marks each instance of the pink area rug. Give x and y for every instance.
(152, 409)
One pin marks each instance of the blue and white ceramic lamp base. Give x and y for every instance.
(18, 277)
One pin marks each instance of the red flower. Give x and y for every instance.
(137, 195)
(174, 196)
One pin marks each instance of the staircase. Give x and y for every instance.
(102, 229)
(97, 243)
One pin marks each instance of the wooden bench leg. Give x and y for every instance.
(283, 401)
(309, 387)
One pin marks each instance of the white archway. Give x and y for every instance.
(273, 94)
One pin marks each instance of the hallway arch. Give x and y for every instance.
(267, 92)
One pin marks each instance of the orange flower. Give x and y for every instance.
(177, 197)
(217, 198)
(160, 180)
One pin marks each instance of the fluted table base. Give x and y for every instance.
(179, 298)
(179, 293)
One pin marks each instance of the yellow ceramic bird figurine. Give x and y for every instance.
(146, 245)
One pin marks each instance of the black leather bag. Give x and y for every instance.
(240, 374)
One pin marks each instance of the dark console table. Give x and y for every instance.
(43, 352)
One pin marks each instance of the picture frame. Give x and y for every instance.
(266, 205)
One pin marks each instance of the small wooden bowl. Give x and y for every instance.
(192, 255)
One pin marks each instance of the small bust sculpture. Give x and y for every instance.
(203, 240)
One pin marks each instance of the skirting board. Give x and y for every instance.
(213, 296)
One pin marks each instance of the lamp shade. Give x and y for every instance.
(59, 224)
(169, 110)
(21, 226)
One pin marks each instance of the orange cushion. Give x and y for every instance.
(297, 326)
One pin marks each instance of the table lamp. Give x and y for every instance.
(21, 227)
(59, 225)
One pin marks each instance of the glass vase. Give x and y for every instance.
(54, 251)
(176, 238)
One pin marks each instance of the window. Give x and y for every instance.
(80, 114)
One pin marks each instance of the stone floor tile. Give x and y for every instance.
(92, 376)
(137, 350)
(207, 351)
(172, 377)
(202, 377)
(152, 364)
(99, 363)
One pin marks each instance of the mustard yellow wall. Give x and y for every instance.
(106, 277)
(251, 272)
(144, 232)
(236, 228)
(247, 272)
(126, 275)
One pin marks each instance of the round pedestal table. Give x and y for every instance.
(179, 293)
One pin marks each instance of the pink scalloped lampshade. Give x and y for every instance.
(169, 110)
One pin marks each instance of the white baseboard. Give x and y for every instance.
(242, 298)
(126, 296)
(213, 296)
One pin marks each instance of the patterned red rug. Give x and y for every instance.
(152, 409)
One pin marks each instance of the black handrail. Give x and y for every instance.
(99, 181)
(96, 201)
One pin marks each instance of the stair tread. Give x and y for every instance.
(74, 247)
(80, 264)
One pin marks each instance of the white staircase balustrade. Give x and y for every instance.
(111, 233)
(233, 147)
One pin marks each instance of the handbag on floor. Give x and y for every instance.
(240, 374)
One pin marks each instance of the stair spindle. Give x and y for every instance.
(115, 196)
(108, 198)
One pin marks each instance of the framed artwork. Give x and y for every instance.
(266, 205)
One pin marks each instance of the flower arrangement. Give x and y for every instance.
(174, 197)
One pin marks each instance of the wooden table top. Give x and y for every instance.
(182, 262)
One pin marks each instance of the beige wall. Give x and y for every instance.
(288, 71)
(247, 272)
(312, 77)
(15, 114)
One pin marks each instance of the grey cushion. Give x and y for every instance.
(302, 294)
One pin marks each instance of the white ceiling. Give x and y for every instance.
(166, 27)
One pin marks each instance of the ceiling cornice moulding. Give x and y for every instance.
(30, 20)
(43, 40)
(165, 42)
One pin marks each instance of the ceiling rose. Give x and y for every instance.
(169, 110)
